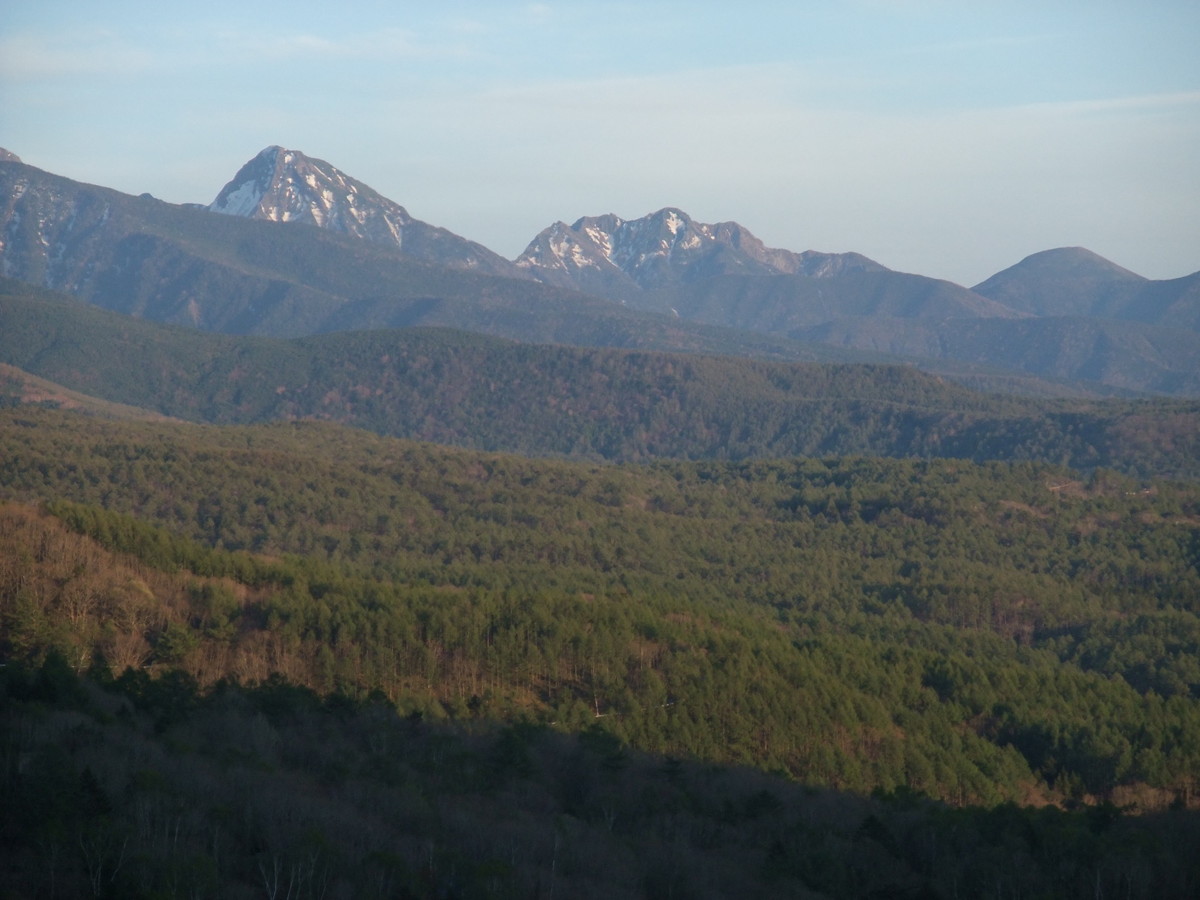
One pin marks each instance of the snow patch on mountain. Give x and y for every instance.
(241, 201)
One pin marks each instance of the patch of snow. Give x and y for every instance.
(241, 201)
(601, 239)
(397, 234)
(579, 258)
(560, 246)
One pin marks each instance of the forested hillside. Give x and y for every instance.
(977, 632)
(972, 633)
(485, 393)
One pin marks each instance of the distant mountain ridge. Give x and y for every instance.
(184, 265)
(1072, 281)
(302, 248)
(1124, 355)
(608, 254)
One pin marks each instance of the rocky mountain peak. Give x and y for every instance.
(282, 185)
(664, 247)
(8, 156)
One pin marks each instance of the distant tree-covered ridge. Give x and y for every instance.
(485, 393)
(974, 632)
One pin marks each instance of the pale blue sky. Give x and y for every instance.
(945, 138)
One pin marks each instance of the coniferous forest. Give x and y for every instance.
(301, 660)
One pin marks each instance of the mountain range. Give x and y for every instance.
(1062, 321)
(248, 274)
(611, 256)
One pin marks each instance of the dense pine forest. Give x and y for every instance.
(299, 659)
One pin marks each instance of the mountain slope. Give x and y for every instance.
(612, 257)
(281, 185)
(20, 388)
(475, 391)
(663, 260)
(970, 631)
(187, 266)
(1044, 317)
(1129, 356)
(1072, 281)
(782, 305)
(664, 282)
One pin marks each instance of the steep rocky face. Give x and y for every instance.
(615, 256)
(282, 185)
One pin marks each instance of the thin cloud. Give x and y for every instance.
(384, 44)
(32, 57)
(1121, 104)
(1004, 42)
(467, 26)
